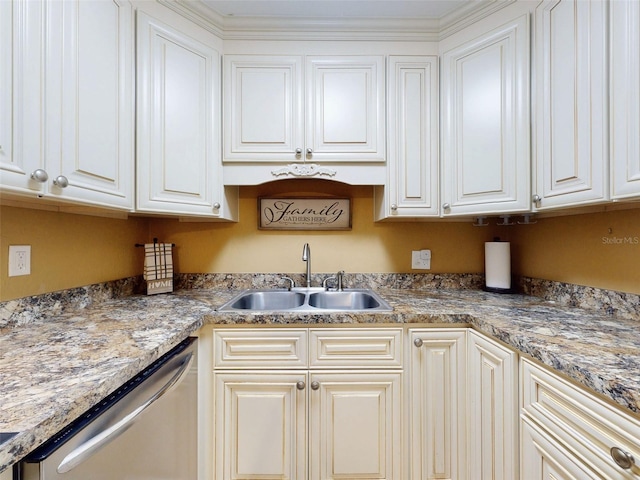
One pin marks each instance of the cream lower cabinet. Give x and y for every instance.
(569, 433)
(436, 401)
(335, 416)
(492, 391)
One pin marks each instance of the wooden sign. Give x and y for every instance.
(304, 213)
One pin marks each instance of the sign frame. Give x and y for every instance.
(304, 213)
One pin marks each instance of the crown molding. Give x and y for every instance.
(306, 28)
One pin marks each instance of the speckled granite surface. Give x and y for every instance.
(63, 360)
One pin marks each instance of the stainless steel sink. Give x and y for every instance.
(267, 300)
(344, 300)
(307, 300)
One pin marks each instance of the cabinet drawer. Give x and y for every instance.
(357, 347)
(264, 348)
(586, 425)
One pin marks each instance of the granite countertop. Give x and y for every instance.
(51, 371)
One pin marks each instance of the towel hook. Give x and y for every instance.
(506, 220)
(481, 222)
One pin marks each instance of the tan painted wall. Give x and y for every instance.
(67, 250)
(598, 249)
(75, 250)
(367, 247)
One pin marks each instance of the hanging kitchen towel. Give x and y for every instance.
(158, 267)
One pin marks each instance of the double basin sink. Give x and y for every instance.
(307, 300)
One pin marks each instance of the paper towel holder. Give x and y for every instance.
(504, 271)
(512, 289)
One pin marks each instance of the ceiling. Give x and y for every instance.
(343, 9)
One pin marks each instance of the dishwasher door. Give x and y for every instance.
(147, 429)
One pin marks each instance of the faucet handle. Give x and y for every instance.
(340, 277)
(332, 278)
(292, 284)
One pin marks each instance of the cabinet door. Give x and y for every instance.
(21, 93)
(625, 99)
(545, 459)
(260, 425)
(485, 119)
(493, 409)
(412, 105)
(6, 86)
(89, 100)
(355, 425)
(178, 134)
(571, 149)
(263, 108)
(437, 422)
(345, 109)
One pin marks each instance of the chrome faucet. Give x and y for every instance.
(306, 257)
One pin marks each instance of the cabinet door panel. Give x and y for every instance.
(544, 459)
(412, 105)
(345, 108)
(485, 131)
(437, 395)
(260, 423)
(493, 409)
(263, 107)
(95, 110)
(355, 426)
(625, 99)
(6, 87)
(571, 109)
(178, 118)
(21, 94)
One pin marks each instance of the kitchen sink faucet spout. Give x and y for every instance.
(306, 257)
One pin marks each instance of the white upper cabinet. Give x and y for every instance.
(412, 133)
(178, 122)
(625, 99)
(263, 114)
(7, 51)
(297, 116)
(571, 113)
(92, 46)
(485, 117)
(71, 106)
(345, 109)
(20, 103)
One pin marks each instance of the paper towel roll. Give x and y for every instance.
(497, 265)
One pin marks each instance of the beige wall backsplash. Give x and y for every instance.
(369, 247)
(68, 250)
(600, 250)
(74, 250)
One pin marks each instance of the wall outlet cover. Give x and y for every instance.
(19, 260)
(421, 259)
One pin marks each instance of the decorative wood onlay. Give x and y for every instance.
(304, 170)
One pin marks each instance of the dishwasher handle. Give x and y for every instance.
(85, 450)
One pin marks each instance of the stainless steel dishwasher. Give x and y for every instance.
(146, 429)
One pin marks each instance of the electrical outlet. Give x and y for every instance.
(421, 259)
(19, 260)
